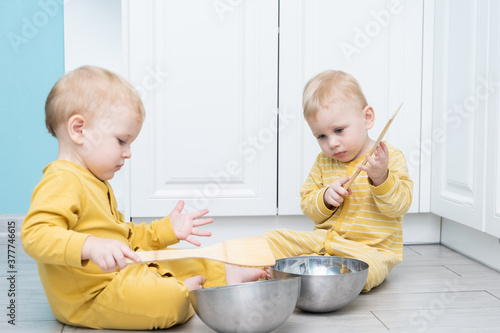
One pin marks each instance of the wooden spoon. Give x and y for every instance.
(380, 137)
(251, 251)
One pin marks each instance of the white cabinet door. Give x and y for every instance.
(462, 88)
(207, 72)
(380, 45)
(493, 139)
(492, 207)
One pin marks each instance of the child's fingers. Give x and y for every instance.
(101, 263)
(192, 240)
(128, 253)
(194, 282)
(335, 194)
(384, 148)
(179, 207)
(104, 260)
(382, 151)
(379, 153)
(200, 222)
(203, 233)
(379, 159)
(339, 187)
(108, 264)
(119, 256)
(268, 272)
(344, 180)
(334, 198)
(200, 213)
(369, 160)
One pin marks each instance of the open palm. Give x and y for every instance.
(184, 225)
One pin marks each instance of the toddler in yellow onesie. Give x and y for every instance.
(364, 221)
(78, 237)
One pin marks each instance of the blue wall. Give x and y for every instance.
(31, 61)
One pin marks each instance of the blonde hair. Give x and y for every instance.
(88, 90)
(329, 87)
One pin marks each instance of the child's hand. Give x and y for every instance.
(194, 282)
(184, 224)
(107, 253)
(377, 166)
(334, 195)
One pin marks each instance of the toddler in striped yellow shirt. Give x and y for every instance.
(364, 221)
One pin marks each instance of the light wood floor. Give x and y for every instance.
(434, 290)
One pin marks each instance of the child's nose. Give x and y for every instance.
(127, 153)
(333, 142)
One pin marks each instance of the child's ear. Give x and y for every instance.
(76, 128)
(369, 116)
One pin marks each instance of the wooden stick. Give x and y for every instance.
(251, 251)
(380, 137)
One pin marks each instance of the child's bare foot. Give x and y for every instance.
(237, 274)
(194, 282)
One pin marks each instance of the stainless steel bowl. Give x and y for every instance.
(327, 283)
(260, 306)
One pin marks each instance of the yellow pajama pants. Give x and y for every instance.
(290, 243)
(150, 296)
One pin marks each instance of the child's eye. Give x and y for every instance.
(321, 136)
(338, 130)
(121, 142)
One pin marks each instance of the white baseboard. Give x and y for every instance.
(473, 243)
(418, 228)
(421, 228)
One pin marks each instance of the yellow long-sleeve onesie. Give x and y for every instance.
(368, 224)
(70, 204)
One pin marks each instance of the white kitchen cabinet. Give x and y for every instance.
(492, 199)
(207, 72)
(211, 139)
(492, 209)
(381, 46)
(465, 176)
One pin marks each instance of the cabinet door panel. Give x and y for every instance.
(492, 199)
(381, 45)
(459, 111)
(208, 77)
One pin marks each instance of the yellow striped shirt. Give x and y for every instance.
(371, 215)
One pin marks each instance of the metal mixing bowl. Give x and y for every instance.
(327, 283)
(260, 306)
